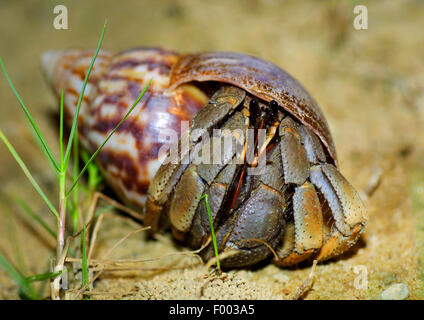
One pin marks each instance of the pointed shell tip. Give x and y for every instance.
(48, 62)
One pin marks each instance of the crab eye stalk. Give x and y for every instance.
(274, 108)
(254, 109)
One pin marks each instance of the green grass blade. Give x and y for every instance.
(34, 216)
(39, 135)
(75, 120)
(83, 187)
(74, 212)
(94, 174)
(20, 280)
(40, 146)
(110, 135)
(44, 276)
(28, 174)
(61, 131)
(215, 246)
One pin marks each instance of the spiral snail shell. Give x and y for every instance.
(130, 158)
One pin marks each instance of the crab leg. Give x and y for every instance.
(185, 199)
(222, 104)
(314, 151)
(307, 235)
(161, 188)
(169, 176)
(217, 191)
(337, 243)
(294, 158)
(300, 149)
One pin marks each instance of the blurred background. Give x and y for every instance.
(369, 83)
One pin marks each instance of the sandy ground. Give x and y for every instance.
(369, 83)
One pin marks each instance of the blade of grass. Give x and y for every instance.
(34, 216)
(215, 246)
(40, 146)
(61, 129)
(70, 179)
(61, 223)
(28, 174)
(34, 134)
(94, 175)
(39, 135)
(20, 280)
(74, 211)
(44, 276)
(75, 120)
(109, 136)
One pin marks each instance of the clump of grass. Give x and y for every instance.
(61, 169)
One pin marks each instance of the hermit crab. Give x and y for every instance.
(275, 189)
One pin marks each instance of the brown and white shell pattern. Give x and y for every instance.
(129, 159)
